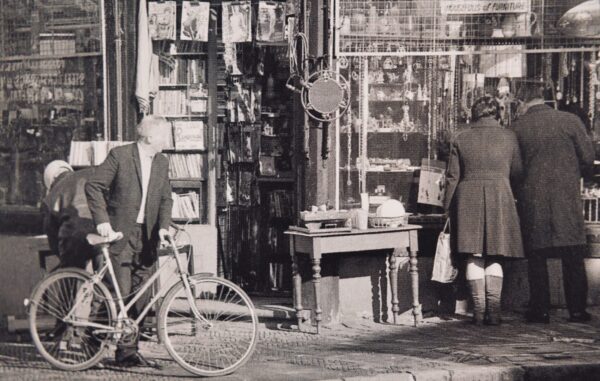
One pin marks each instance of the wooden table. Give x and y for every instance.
(321, 243)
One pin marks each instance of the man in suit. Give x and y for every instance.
(556, 153)
(67, 218)
(130, 192)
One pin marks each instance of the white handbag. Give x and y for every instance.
(443, 269)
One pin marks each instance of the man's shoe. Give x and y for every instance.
(537, 317)
(137, 360)
(579, 317)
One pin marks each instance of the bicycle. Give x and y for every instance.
(207, 324)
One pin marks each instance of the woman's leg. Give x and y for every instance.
(475, 275)
(494, 277)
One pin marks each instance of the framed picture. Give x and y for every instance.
(194, 21)
(271, 22)
(432, 182)
(236, 21)
(161, 20)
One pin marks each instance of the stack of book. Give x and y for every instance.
(186, 166)
(86, 153)
(181, 72)
(186, 205)
(171, 103)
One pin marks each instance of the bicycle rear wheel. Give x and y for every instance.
(218, 343)
(62, 344)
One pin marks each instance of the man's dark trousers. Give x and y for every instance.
(574, 278)
(133, 266)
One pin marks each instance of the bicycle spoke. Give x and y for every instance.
(68, 346)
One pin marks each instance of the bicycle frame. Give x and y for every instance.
(122, 308)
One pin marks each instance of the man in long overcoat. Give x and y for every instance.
(67, 218)
(556, 152)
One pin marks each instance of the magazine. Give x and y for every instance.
(271, 22)
(161, 20)
(237, 21)
(194, 21)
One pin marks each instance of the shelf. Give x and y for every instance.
(395, 100)
(393, 170)
(386, 84)
(187, 183)
(184, 85)
(182, 151)
(267, 179)
(198, 116)
(50, 57)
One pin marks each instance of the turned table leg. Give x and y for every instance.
(394, 285)
(316, 268)
(297, 282)
(414, 276)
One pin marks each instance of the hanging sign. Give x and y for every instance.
(462, 7)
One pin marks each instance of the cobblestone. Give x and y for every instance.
(362, 350)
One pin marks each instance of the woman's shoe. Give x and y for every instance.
(579, 317)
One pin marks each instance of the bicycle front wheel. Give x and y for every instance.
(221, 339)
(62, 308)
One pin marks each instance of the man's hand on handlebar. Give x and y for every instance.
(105, 230)
(164, 235)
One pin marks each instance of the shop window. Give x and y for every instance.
(51, 89)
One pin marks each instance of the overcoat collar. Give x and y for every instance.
(538, 108)
(485, 122)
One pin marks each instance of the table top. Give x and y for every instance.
(354, 231)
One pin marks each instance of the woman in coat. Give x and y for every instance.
(483, 159)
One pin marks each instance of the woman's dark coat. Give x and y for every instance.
(478, 189)
(555, 149)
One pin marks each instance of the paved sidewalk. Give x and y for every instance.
(363, 350)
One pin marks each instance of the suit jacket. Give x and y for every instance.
(482, 161)
(67, 216)
(556, 151)
(119, 178)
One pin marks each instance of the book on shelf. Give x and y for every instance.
(188, 135)
(86, 153)
(181, 71)
(170, 102)
(186, 166)
(186, 205)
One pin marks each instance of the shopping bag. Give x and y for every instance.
(443, 269)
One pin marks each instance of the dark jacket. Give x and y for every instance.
(555, 149)
(119, 176)
(67, 218)
(478, 189)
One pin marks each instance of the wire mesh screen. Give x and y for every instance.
(51, 88)
(427, 26)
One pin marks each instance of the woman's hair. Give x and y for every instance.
(485, 106)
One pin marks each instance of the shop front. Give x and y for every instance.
(247, 155)
(415, 68)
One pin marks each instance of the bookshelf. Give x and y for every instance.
(182, 99)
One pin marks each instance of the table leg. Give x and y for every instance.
(394, 285)
(297, 282)
(316, 268)
(414, 276)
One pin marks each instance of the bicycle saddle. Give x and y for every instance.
(95, 239)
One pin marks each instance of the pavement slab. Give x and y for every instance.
(439, 349)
